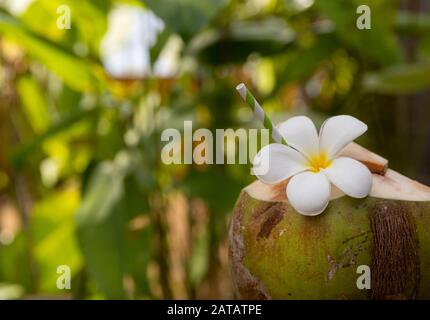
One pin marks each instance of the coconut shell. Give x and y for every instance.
(277, 253)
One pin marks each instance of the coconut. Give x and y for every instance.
(277, 253)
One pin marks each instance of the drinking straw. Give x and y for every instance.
(259, 113)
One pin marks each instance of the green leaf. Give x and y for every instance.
(199, 259)
(34, 104)
(303, 62)
(89, 15)
(399, 79)
(14, 266)
(72, 70)
(378, 44)
(186, 17)
(159, 45)
(85, 15)
(22, 153)
(266, 37)
(54, 236)
(101, 229)
(203, 185)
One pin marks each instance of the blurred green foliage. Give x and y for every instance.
(81, 179)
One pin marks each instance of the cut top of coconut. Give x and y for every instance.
(371, 160)
(392, 185)
(386, 184)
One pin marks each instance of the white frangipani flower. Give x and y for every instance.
(312, 163)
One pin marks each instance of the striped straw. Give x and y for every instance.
(259, 113)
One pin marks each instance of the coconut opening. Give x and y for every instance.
(387, 183)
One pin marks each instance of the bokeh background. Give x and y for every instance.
(82, 110)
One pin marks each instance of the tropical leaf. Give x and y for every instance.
(34, 103)
(54, 236)
(186, 17)
(377, 44)
(85, 15)
(399, 79)
(303, 62)
(22, 153)
(71, 69)
(101, 230)
(201, 184)
(267, 37)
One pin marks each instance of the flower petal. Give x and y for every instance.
(301, 134)
(350, 176)
(309, 192)
(336, 132)
(276, 162)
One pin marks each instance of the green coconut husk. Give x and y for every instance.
(277, 253)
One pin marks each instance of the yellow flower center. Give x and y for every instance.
(318, 162)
